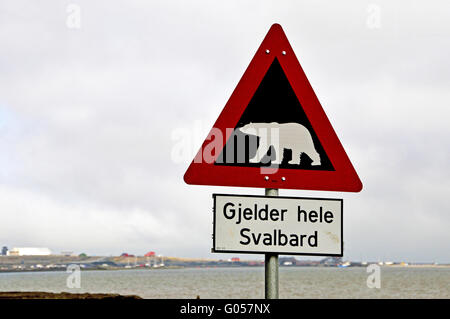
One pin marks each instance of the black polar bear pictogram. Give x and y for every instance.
(293, 136)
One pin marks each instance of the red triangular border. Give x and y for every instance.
(343, 178)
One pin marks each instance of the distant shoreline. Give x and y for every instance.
(17, 264)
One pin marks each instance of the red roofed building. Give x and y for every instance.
(150, 254)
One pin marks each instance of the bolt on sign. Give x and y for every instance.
(284, 225)
(273, 131)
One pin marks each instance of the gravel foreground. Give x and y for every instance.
(61, 295)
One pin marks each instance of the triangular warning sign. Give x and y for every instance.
(273, 132)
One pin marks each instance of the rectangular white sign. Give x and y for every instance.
(284, 225)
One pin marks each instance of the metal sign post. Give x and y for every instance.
(271, 265)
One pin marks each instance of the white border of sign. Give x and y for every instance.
(215, 249)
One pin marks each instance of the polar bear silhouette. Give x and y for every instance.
(292, 136)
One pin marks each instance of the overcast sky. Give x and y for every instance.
(90, 106)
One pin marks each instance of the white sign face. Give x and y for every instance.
(284, 225)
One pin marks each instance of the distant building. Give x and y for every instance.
(29, 251)
(67, 253)
(150, 254)
(4, 251)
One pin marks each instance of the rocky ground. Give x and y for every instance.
(62, 295)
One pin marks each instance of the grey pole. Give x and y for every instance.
(271, 264)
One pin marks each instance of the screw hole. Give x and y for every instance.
(267, 51)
